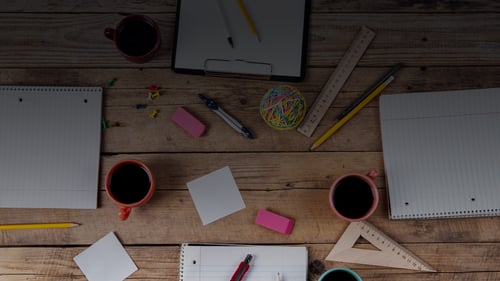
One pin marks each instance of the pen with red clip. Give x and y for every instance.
(242, 269)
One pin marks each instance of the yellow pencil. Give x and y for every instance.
(353, 112)
(249, 20)
(37, 226)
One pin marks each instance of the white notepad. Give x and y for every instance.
(216, 195)
(442, 153)
(219, 262)
(49, 147)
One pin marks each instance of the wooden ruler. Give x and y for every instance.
(332, 87)
(391, 254)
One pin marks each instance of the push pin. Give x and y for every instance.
(153, 88)
(153, 95)
(153, 114)
(111, 82)
(104, 124)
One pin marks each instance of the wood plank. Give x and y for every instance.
(162, 262)
(66, 40)
(131, 130)
(325, 6)
(180, 89)
(170, 218)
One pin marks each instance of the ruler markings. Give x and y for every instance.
(336, 80)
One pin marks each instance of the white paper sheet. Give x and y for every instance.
(216, 195)
(106, 260)
(49, 146)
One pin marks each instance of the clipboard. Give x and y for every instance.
(201, 46)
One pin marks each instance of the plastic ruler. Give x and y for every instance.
(390, 253)
(336, 81)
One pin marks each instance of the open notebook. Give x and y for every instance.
(442, 153)
(218, 262)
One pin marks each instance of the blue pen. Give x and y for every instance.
(226, 117)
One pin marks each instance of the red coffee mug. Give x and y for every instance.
(354, 197)
(129, 183)
(136, 37)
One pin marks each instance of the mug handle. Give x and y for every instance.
(124, 213)
(372, 174)
(109, 33)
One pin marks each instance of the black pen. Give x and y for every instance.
(369, 91)
(226, 117)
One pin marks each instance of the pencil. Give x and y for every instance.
(353, 112)
(37, 226)
(249, 20)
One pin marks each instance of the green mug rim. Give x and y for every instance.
(352, 272)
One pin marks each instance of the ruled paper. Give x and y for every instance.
(49, 147)
(219, 262)
(442, 153)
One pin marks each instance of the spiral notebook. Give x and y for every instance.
(219, 262)
(49, 146)
(442, 153)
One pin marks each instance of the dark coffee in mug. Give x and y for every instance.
(339, 275)
(136, 37)
(130, 183)
(353, 197)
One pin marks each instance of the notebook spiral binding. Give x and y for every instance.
(181, 263)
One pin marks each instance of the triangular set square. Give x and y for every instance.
(391, 254)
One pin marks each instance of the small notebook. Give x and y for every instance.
(219, 262)
(442, 153)
(49, 146)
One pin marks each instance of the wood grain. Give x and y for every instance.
(68, 40)
(445, 45)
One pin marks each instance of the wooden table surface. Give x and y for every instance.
(446, 45)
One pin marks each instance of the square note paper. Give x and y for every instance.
(106, 260)
(216, 195)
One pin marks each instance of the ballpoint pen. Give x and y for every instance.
(386, 76)
(226, 117)
(242, 269)
(226, 24)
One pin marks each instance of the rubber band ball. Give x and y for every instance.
(283, 107)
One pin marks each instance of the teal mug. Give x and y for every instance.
(339, 274)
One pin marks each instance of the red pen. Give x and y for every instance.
(242, 269)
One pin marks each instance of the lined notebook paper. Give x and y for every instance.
(442, 153)
(49, 147)
(218, 262)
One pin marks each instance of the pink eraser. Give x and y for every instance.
(187, 121)
(274, 221)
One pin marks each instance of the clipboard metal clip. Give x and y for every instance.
(238, 68)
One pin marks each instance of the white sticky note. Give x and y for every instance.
(216, 195)
(106, 260)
